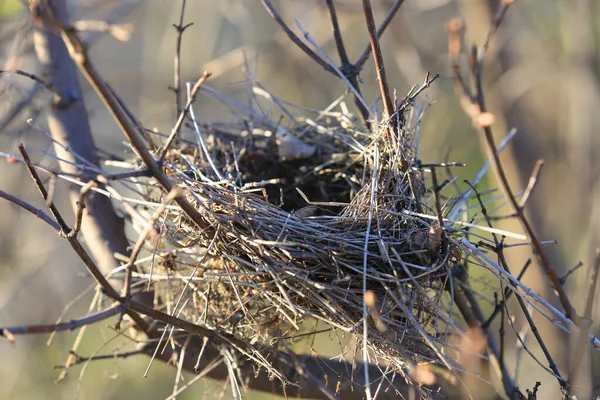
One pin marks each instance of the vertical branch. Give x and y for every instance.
(476, 60)
(347, 68)
(180, 28)
(586, 323)
(358, 65)
(379, 65)
(337, 35)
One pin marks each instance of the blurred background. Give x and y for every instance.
(542, 77)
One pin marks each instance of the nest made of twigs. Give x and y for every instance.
(302, 223)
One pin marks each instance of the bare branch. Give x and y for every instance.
(47, 85)
(294, 38)
(386, 21)
(586, 323)
(379, 65)
(65, 326)
(184, 113)
(180, 28)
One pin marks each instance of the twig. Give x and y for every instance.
(347, 68)
(79, 359)
(586, 323)
(496, 21)
(64, 326)
(499, 250)
(502, 179)
(180, 28)
(294, 38)
(469, 308)
(507, 294)
(28, 207)
(80, 207)
(359, 64)
(379, 65)
(337, 71)
(563, 279)
(121, 32)
(182, 115)
(438, 207)
(339, 42)
(365, 321)
(142, 238)
(47, 85)
(65, 231)
(533, 180)
(64, 228)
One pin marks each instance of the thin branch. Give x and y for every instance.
(142, 238)
(563, 279)
(64, 228)
(64, 326)
(339, 42)
(294, 38)
(502, 179)
(497, 21)
(182, 115)
(180, 28)
(347, 68)
(379, 65)
(65, 231)
(359, 64)
(47, 85)
(354, 89)
(506, 296)
(469, 308)
(533, 180)
(121, 32)
(28, 207)
(586, 323)
(80, 207)
(499, 250)
(79, 359)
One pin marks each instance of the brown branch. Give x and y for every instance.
(142, 238)
(533, 180)
(471, 311)
(379, 65)
(64, 228)
(182, 115)
(28, 207)
(497, 21)
(339, 377)
(586, 323)
(47, 85)
(359, 64)
(80, 207)
(347, 68)
(79, 359)
(180, 28)
(478, 57)
(337, 35)
(64, 326)
(294, 38)
(499, 250)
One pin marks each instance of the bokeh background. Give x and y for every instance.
(542, 77)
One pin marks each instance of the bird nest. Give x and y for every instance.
(307, 219)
